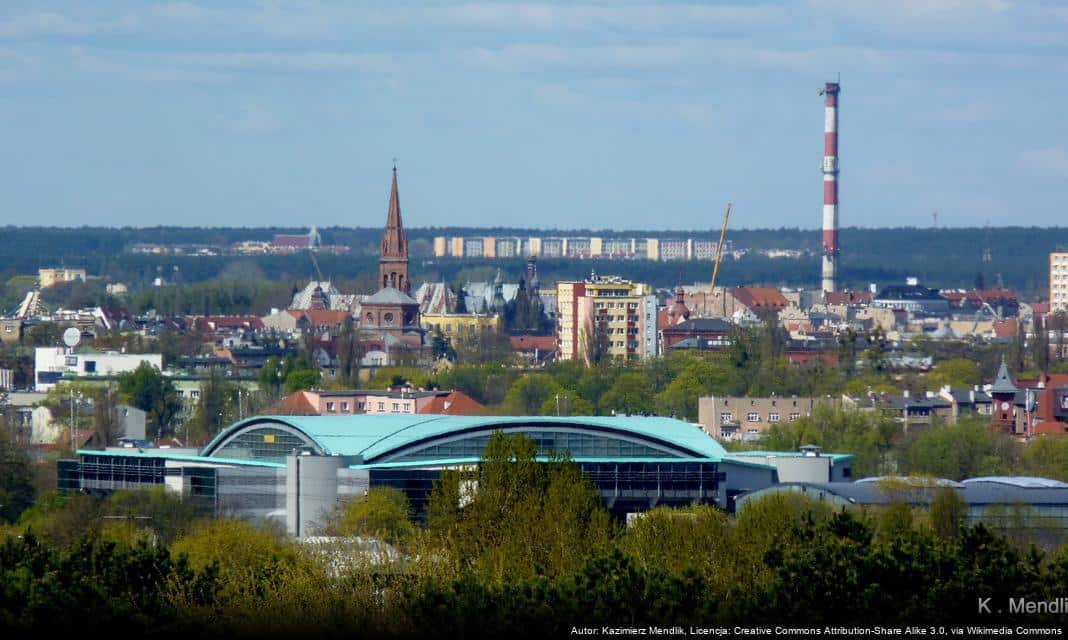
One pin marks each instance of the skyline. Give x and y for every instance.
(531, 115)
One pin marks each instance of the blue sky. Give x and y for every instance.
(575, 115)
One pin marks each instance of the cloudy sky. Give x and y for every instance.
(623, 115)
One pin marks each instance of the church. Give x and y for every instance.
(391, 314)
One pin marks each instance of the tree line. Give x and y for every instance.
(530, 551)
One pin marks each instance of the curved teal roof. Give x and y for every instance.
(370, 437)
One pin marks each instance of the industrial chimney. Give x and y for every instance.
(830, 187)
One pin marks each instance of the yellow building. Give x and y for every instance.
(652, 249)
(625, 311)
(52, 277)
(457, 247)
(460, 325)
(439, 247)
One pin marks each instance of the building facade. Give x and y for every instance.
(54, 364)
(1058, 282)
(747, 419)
(621, 313)
(52, 277)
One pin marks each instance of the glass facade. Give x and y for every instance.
(580, 445)
(265, 444)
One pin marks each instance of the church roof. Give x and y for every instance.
(1003, 384)
(389, 295)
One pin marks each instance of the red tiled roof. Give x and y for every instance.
(321, 317)
(1005, 328)
(760, 297)
(456, 403)
(544, 344)
(303, 241)
(295, 404)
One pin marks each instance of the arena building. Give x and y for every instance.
(295, 469)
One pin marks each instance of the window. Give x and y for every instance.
(396, 407)
(72, 361)
(388, 318)
(330, 407)
(345, 407)
(752, 416)
(359, 406)
(773, 417)
(794, 417)
(381, 406)
(407, 407)
(370, 317)
(725, 418)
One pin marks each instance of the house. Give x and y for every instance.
(746, 419)
(697, 333)
(370, 401)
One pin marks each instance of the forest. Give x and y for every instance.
(941, 258)
(531, 553)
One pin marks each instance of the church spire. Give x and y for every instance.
(394, 240)
(393, 260)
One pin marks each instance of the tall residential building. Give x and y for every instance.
(624, 311)
(1058, 282)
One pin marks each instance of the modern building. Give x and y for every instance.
(621, 312)
(1058, 282)
(54, 364)
(295, 469)
(1036, 508)
(912, 297)
(52, 277)
(746, 419)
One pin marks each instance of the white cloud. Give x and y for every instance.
(1051, 161)
(286, 61)
(522, 56)
(559, 95)
(914, 10)
(695, 115)
(570, 17)
(968, 113)
(254, 118)
(47, 23)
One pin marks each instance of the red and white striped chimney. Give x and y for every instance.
(830, 187)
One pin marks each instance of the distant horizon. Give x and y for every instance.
(536, 113)
(537, 229)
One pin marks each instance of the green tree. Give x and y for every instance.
(528, 394)
(16, 476)
(383, 513)
(521, 518)
(629, 395)
(149, 390)
(955, 372)
(216, 407)
(301, 379)
(947, 513)
(964, 450)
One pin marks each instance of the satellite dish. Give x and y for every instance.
(71, 337)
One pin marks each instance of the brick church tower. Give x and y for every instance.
(393, 260)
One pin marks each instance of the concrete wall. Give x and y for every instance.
(311, 492)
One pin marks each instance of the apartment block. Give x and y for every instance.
(747, 419)
(624, 311)
(1058, 282)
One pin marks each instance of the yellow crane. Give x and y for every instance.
(719, 248)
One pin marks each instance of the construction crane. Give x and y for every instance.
(317, 269)
(719, 248)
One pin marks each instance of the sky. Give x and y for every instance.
(572, 115)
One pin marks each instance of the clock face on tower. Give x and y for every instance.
(1004, 406)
